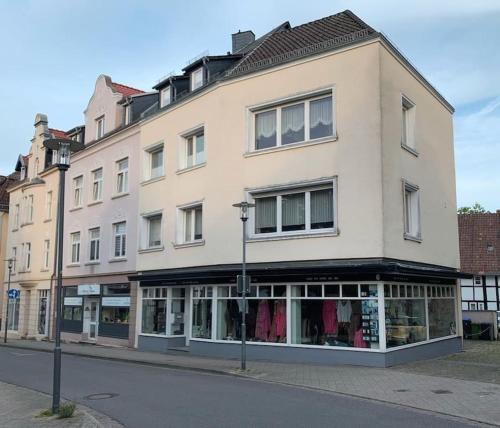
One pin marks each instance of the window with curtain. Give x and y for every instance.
(311, 209)
(193, 223)
(154, 230)
(194, 149)
(302, 121)
(156, 162)
(120, 239)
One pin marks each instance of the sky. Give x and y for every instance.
(53, 50)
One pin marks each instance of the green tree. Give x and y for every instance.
(477, 208)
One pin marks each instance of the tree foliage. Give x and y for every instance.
(477, 208)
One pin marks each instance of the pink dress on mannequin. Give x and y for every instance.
(330, 316)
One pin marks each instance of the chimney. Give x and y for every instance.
(41, 124)
(242, 39)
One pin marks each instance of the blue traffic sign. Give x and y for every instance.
(13, 293)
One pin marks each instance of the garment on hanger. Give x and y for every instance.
(344, 311)
(330, 316)
(263, 322)
(358, 339)
(280, 316)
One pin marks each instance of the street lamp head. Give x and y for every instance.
(243, 206)
(10, 263)
(63, 147)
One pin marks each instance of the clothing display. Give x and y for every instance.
(358, 339)
(330, 317)
(344, 311)
(263, 321)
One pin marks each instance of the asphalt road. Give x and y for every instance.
(145, 396)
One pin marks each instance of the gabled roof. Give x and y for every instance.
(125, 90)
(57, 133)
(5, 183)
(286, 40)
(479, 236)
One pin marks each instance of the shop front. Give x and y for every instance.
(380, 319)
(97, 313)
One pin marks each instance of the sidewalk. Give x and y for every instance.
(20, 408)
(468, 399)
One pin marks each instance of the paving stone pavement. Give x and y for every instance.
(20, 408)
(415, 385)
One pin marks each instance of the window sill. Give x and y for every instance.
(151, 250)
(15, 230)
(197, 243)
(72, 265)
(117, 259)
(91, 204)
(28, 223)
(47, 220)
(44, 270)
(412, 238)
(152, 180)
(120, 195)
(291, 146)
(258, 238)
(93, 263)
(76, 208)
(409, 149)
(190, 168)
(163, 336)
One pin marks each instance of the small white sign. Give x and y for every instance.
(73, 301)
(89, 289)
(116, 301)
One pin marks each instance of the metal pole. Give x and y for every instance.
(7, 308)
(56, 389)
(244, 294)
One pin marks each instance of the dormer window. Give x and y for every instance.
(23, 173)
(99, 127)
(128, 114)
(165, 97)
(197, 79)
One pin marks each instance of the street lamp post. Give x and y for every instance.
(64, 147)
(10, 263)
(244, 206)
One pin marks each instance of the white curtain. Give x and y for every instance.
(265, 129)
(293, 209)
(198, 223)
(265, 213)
(321, 112)
(154, 231)
(292, 119)
(322, 206)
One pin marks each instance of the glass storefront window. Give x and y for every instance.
(163, 310)
(116, 290)
(115, 315)
(154, 316)
(441, 316)
(13, 321)
(202, 319)
(72, 313)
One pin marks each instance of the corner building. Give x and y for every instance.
(347, 152)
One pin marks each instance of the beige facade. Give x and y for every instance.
(31, 234)
(4, 228)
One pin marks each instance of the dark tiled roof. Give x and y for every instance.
(125, 90)
(286, 41)
(57, 133)
(479, 236)
(5, 183)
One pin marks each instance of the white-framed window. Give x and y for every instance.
(48, 205)
(99, 127)
(16, 216)
(122, 176)
(94, 244)
(407, 123)
(194, 149)
(477, 280)
(197, 78)
(295, 210)
(152, 232)
(128, 114)
(192, 223)
(27, 256)
(14, 259)
(29, 209)
(46, 253)
(411, 204)
(120, 239)
(154, 162)
(23, 173)
(78, 191)
(163, 311)
(75, 247)
(97, 178)
(297, 121)
(165, 96)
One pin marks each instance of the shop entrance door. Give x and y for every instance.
(91, 318)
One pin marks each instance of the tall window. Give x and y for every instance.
(27, 256)
(163, 310)
(165, 96)
(192, 223)
(99, 127)
(120, 239)
(75, 247)
(122, 176)
(407, 123)
(48, 205)
(153, 231)
(94, 243)
(197, 78)
(29, 210)
(194, 147)
(46, 252)
(14, 259)
(295, 210)
(16, 216)
(78, 191)
(411, 203)
(97, 185)
(294, 122)
(128, 114)
(155, 161)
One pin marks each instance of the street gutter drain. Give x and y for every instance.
(401, 390)
(441, 391)
(101, 396)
